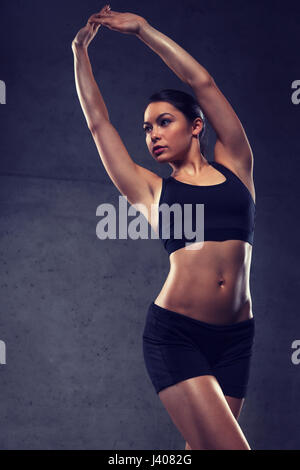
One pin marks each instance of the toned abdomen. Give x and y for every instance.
(210, 284)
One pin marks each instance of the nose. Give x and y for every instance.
(155, 136)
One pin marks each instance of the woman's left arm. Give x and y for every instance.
(232, 145)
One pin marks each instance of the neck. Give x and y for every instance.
(190, 167)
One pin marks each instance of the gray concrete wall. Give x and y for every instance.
(72, 307)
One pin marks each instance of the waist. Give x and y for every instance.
(163, 313)
(211, 285)
(207, 308)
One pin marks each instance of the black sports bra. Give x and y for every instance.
(224, 211)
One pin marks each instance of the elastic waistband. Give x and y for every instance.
(170, 314)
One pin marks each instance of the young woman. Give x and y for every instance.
(199, 331)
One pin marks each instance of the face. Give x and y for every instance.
(166, 126)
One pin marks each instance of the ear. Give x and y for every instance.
(197, 126)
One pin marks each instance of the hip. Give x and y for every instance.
(165, 326)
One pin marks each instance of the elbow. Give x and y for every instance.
(202, 81)
(94, 126)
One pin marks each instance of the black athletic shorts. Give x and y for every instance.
(177, 347)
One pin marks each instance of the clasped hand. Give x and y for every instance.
(127, 23)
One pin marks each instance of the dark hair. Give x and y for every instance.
(188, 105)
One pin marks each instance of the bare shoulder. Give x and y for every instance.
(241, 166)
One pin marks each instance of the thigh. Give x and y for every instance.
(232, 369)
(201, 413)
(235, 404)
(170, 356)
(233, 376)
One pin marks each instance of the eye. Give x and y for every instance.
(163, 120)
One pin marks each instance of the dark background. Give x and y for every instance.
(72, 307)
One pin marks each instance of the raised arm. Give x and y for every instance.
(232, 145)
(131, 179)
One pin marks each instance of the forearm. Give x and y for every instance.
(89, 95)
(176, 58)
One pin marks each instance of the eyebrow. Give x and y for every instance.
(146, 122)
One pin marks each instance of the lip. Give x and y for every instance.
(159, 150)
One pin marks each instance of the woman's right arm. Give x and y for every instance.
(133, 181)
(89, 95)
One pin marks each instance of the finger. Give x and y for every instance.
(95, 15)
(95, 24)
(105, 9)
(96, 18)
(95, 21)
(98, 14)
(96, 27)
(103, 20)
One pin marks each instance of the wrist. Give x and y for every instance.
(77, 47)
(144, 26)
